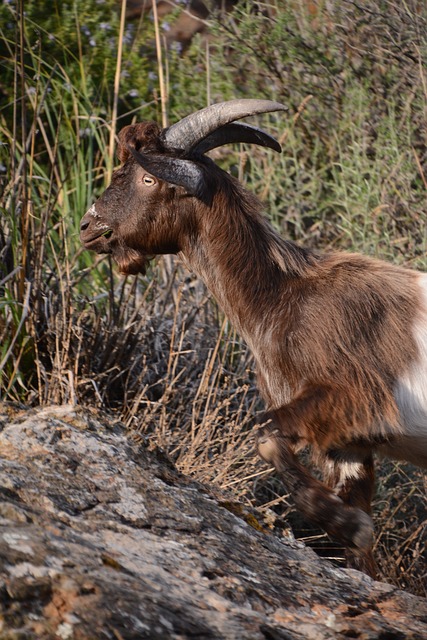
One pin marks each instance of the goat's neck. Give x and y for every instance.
(243, 262)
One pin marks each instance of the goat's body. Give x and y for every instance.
(351, 328)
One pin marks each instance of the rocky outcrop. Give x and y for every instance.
(101, 538)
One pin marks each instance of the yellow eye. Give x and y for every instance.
(148, 180)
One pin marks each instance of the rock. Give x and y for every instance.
(101, 538)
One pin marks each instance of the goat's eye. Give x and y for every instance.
(148, 180)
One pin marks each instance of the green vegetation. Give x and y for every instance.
(155, 349)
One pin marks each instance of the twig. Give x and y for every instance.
(163, 94)
(420, 168)
(25, 310)
(116, 90)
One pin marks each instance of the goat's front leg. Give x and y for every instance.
(348, 524)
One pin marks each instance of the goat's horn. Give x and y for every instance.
(237, 132)
(188, 132)
(178, 171)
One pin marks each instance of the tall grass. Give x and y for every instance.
(155, 350)
(57, 154)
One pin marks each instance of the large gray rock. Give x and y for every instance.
(100, 538)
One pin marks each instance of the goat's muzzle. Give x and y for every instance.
(94, 234)
(98, 236)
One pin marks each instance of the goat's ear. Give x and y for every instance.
(137, 136)
(183, 173)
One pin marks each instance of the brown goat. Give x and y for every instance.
(340, 340)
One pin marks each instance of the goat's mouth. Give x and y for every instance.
(97, 242)
(130, 261)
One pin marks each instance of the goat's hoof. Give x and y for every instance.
(350, 526)
(353, 528)
(267, 443)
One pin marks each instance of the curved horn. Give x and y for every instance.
(237, 132)
(183, 173)
(188, 132)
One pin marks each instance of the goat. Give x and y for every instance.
(339, 339)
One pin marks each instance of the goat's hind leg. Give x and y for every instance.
(353, 480)
(350, 525)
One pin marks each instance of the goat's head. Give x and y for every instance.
(149, 203)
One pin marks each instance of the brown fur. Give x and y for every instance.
(144, 135)
(335, 338)
(331, 334)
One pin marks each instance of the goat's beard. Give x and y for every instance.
(130, 261)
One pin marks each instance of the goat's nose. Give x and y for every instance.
(90, 215)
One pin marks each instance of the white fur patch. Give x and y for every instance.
(411, 397)
(92, 212)
(348, 470)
